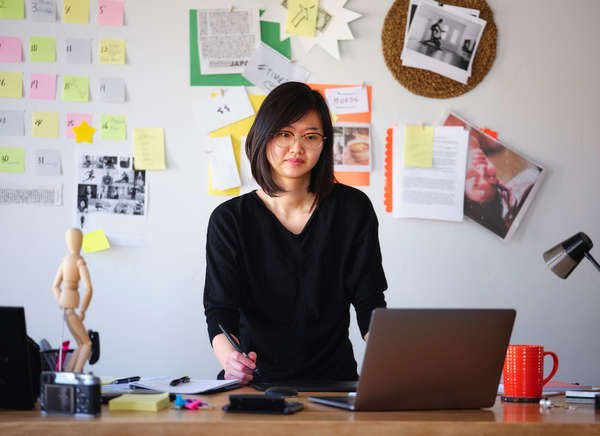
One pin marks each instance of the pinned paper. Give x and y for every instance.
(42, 86)
(10, 49)
(76, 88)
(78, 51)
(12, 160)
(112, 51)
(44, 125)
(12, 123)
(302, 17)
(267, 69)
(110, 12)
(95, 241)
(221, 110)
(113, 127)
(74, 120)
(47, 163)
(42, 11)
(149, 149)
(76, 11)
(418, 146)
(84, 132)
(223, 167)
(12, 9)
(42, 49)
(112, 90)
(350, 100)
(11, 85)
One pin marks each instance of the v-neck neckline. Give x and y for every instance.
(284, 228)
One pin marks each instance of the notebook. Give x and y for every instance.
(194, 386)
(419, 359)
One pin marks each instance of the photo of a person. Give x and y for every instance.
(436, 34)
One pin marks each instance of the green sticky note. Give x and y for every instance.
(95, 241)
(302, 17)
(113, 127)
(12, 160)
(11, 85)
(76, 11)
(418, 146)
(42, 49)
(44, 125)
(76, 88)
(12, 9)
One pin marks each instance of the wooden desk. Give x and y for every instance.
(502, 419)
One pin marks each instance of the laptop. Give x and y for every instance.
(421, 359)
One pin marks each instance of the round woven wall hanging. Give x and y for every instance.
(427, 83)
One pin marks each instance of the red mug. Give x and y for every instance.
(523, 372)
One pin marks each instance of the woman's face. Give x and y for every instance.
(297, 161)
(481, 181)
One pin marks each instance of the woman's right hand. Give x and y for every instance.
(241, 367)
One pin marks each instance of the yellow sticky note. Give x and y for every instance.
(12, 160)
(45, 125)
(149, 149)
(42, 49)
(11, 85)
(76, 11)
(12, 9)
(418, 146)
(302, 17)
(112, 51)
(95, 241)
(76, 88)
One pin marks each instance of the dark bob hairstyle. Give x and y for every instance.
(285, 105)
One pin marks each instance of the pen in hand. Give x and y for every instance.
(237, 348)
(177, 381)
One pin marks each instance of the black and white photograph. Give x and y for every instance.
(352, 147)
(442, 40)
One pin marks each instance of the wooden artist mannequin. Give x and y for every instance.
(71, 271)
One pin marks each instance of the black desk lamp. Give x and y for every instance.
(564, 257)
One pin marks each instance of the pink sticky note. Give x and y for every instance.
(73, 120)
(42, 86)
(110, 13)
(10, 49)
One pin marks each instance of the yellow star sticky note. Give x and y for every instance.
(76, 11)
(95, 241)
(84, 132)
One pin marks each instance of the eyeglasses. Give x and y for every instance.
(287, 139)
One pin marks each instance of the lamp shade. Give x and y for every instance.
(564, 257)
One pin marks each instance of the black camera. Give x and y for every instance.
(70, 393)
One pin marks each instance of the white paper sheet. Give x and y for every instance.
(47, 195)
(223, 109)
(78, 51)
(432, 193)
(194, 386)
(42, 11)
(12, 123)
(112, 90)
(225, 174)
(347, 100)
(47, 163)
(248, 182)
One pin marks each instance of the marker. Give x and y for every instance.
(235, 345)
(125, 380)
(177, 381)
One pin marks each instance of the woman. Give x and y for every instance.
(284, 263)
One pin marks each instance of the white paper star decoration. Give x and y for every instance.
(336, 29)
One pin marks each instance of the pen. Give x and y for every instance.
(125, 380)
(235, 345)
(184, 379)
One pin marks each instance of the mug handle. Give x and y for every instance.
(554, 366)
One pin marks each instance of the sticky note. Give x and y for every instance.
(10, 49)
(113, 127)
(12, 123)
(42, 11)
(12, 160)
(44, 125)
(76, 89)
(75, 119)
(110, 13)
(112, 51)
(302, 17)
(11, 85)
(84, 132)
(12, 9)
(76, 11)
(42, 49)
(149, 149)
(42, 86)
(95, 241)
(78, 51)
(112, 90)
(146, 402)
(47, 162)
(418, 146)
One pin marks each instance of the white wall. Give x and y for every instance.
(541, 95)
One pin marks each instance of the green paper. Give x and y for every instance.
(42, 49)
(11, 84)
(269, 33)
(12, 160)
(12, 9)
(113, 127)
(76, 88)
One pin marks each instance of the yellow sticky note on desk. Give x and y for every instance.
(418, 146)
(149, 148)
(12, 9)
(76, 11)
(112, 51)
(95, 241)
(302, 17)
(44, 125)
(140, 402)
(76, 88)
(11, 85)
(12, 160)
